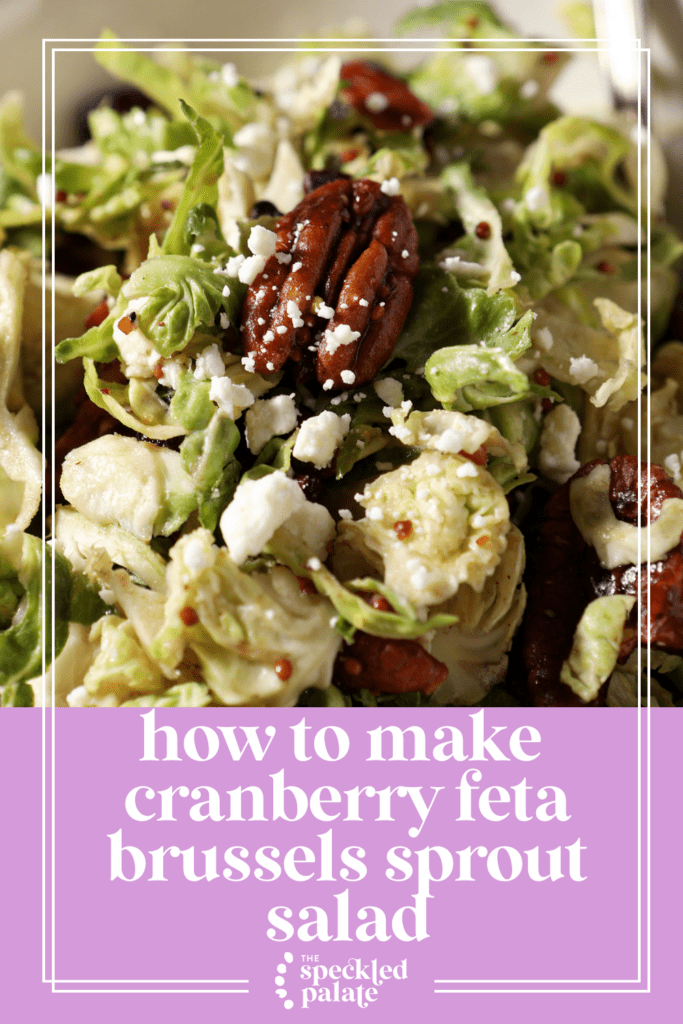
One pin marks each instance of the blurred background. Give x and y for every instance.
(581, 88)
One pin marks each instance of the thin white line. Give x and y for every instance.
(152, 991)
(52, 348)
(150, 981)
(312, 49)
(536, 981)
(299, 49)
(297, 39)
(42, 712)
(539, 991)
(648, 448)
(639, 310)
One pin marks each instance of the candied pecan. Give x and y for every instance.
(569, 576)
(389, 666)
(384, 99)
(352, 246)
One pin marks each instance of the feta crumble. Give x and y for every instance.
(230, 398)
(583, 369)
(269, 417)
(319, 437)
(209, 364)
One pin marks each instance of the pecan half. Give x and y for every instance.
(569, 576)
(384, 99)
(355, 248)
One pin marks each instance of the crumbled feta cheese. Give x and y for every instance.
(319, 437)
(230, 75)
(224, 321)
(672, 464)
(348, 376)
(326, 312)
(283, 257)
(344, 513)
(269, 336)
(249, 363)
(270, 366)
(341, 335)
(561, 429)
(376, 102)
(375, 513)
(405, 254)
(229, 396)
(529, 89)
(545, 339)
(251, 268)
(233, 265)
(261, 241)
(198, 555)
(209, 364)
(583, 369)
(297, 266)
(389, 391)
(269, 417)
(314, 564)
(391, 187)
(467, 469)
(226, 291)
(170, 373)
(482, 71)
(536, 198)
(328, 385)
(363, 302)
(294, 313)
(281, 329)
(258, 508)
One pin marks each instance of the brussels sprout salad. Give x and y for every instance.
(347, 391)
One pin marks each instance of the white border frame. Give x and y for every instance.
(364, 47)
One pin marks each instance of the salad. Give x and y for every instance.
(346, 391)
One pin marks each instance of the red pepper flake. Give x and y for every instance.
(104, 391)
(381, 603)
(162, 324)
(166, 204)
(482, 540)
(158, 370)
(542, 377)
(403, 528)
(306, 586)
(353, 666)
(483, 230)
(478, 458)
(189, 616)
(283, 669)
(98, 315)
(547, 404)
(60, 197)
(559, 178)
(126, 325)
(551, 57)
(348, 155)
(606, 268)
(472, 22)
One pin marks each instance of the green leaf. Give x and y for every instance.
(444, 314)
(201, 184)
(182, 294)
